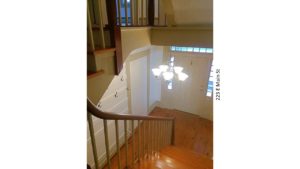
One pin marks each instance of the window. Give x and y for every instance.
(122, 11)
(191, 49)
(210, 82)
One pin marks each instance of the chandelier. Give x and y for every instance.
(169, 72)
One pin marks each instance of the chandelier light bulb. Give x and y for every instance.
(170, 85)
(168, 75)
(156, 72)
(178, 69)
(172, 59)
(168, 71)
(182, 76)
(163, 68)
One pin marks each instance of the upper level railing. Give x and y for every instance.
(152, 132)
(139, 13)
(132, 12)
(104, 20)
(106, 17)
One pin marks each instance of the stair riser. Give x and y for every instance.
(98, 39)
(102, 61)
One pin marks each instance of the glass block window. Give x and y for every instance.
(210, 83)
(191, 49)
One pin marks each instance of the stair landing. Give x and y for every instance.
(172, 157)
(193, 145)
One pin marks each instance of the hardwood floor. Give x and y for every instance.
(193, 135)
(191, 131)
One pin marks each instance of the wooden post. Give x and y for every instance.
(131, 12)
(101, 25)
(132, 135)
(106, 143)
(92, 132)
(139, 140)
(111, 16)
(136, 12)
(115, 34)
(90, 31)
(118, 144)
(118, 46)
(173, 133)
(142, 12)
(158, 12)
(119, 12)
(146, 17)
(126, 143)
(151, 12)
(126, 13)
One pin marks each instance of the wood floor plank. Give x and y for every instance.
(187, 157)
(191, 131)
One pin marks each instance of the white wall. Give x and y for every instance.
(144, 59)
(190, 95)
(156, 56)
(139, 86)
(147, 93)
(109, 103)
(193, 12)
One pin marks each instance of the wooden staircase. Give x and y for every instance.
(104, 53)
(104, 61)
(101, 69)
(150, 147)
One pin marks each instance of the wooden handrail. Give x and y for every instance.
(113, 116)
(153, 127)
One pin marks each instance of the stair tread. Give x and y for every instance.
(161, 162)
(96, 27)
(188, 157)
(172, 157)
(101, 51)
(91, 74)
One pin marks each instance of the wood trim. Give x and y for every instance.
(142, 12)
(173, 133)
(115, 34)
(113, 116)
(126, 12)
(156, 26)
(93, 140)
(94, 74)
(136, 13)
(96, 27)
(147, 13)
(100, 21)
(119, 12)
(131, 11)
(118, 45)
(158, 12)
(111, 16)
(90, 31)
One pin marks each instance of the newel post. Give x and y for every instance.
(151, 11)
